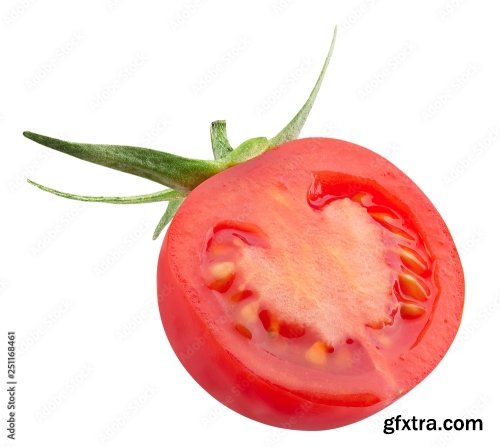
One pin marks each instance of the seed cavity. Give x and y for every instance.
(219, 249)
(220, 275)
(389, 220)
(248, 233)
(291, 330)
(269, 322)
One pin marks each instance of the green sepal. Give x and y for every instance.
(172, 208)
(292, 130)
(247, 150)
(182, 174)
(160, 196)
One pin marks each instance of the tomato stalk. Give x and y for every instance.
(180, 174)
(218, 136)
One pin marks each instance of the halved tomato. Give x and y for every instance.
(311, 286)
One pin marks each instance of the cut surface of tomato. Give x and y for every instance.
(311, 286)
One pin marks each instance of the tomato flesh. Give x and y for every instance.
(313, 283)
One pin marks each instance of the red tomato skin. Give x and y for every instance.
(308, 404)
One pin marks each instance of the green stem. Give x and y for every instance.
(220, 143)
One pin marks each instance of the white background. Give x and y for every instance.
(415, 81)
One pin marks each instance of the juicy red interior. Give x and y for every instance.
(299, 341)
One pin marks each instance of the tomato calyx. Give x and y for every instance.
(179, 174)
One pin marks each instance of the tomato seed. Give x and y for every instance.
(243, 330)
(410, 311)
(317, 353)
(220, 276)
(222, 270)
(412, 260)
(249, 312)
(269, 322)
(241, 295)
(411, 286)
(382, 213)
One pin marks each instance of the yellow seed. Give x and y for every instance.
(410, 311)
(243, 330)
(274, 327)
(412, 260)
(219, 276)
(381, 216)
(412, 287)
(317, 353)
(222, 270)
(249, 312)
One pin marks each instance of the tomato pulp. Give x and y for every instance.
(311, 286)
